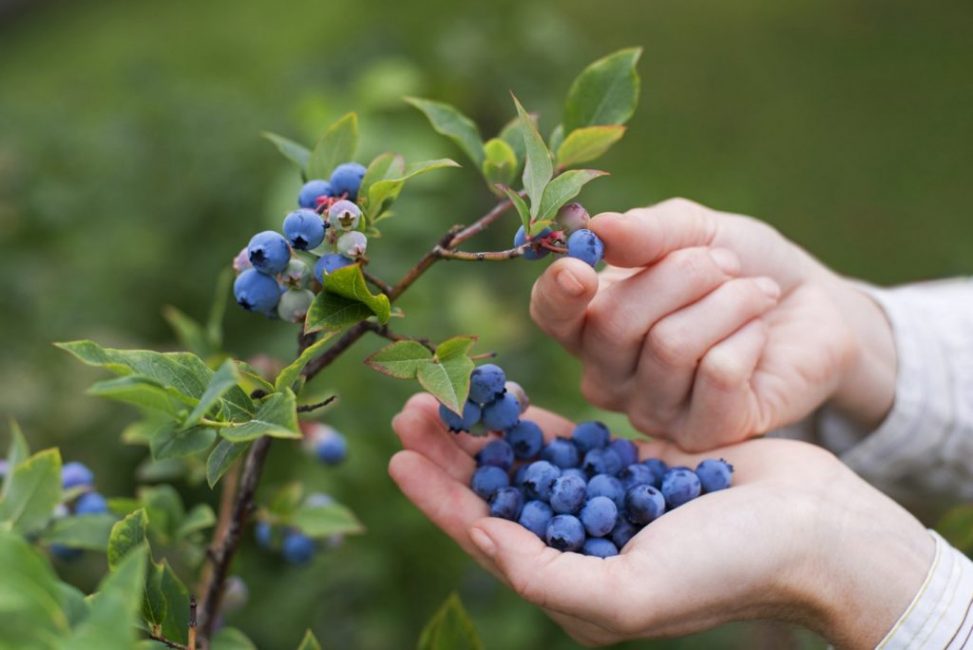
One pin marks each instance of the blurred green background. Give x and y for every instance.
(131, 171)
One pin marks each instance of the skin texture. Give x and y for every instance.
(708, 328)
(798, 537)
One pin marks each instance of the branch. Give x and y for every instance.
(377, 282)
(482, 256)
(166, 642)
(307, 408)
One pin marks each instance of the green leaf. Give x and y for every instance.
(166, 602)
(557, 137)
(455, 347)
(289, 375)
(349, 282)
(251, 380)
(191, 335)
(285, 500)
(538, 168)
(143, 392)
(163, 509)
(89, 532)
(511, 134)
(142, 431)
(30, 596)
(337, 146)
(330, 312)
(522, 210)
(127, 534)
(171, 442)
(450, 629)
(500, 163)
(386, 165)
(309, 642)
(73, 603)
(448, 381)
(400, 360)
(325, 521)
(606, 92)
(230, 638)
(448, 121)
(588, 143)
(221, 294)
(296, 153)
(222, 458)
(562, 189)
(114, 608)
(383, 192)
(31, 492)
(19, 450)
(199, 518)
(276, 417)
(222, 381)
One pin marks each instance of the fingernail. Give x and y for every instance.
(726, 259)
(483, 542)
(769, 287)
(569, 284)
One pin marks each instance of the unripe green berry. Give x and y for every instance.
(573, 217)
(352, 244)
(296, 274)
(294, 304)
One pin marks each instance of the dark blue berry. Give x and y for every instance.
(304, 229)
(539, 479)
(590, 435)
(623, 532)
(586, 246)
(455, 423)
(329, 264)
(535, 516)
(507, 503)
(487, 480)
(602, 461)
(643, 504)
(255, 291)
(680, 485)
(714, 474)
(658, 468)
(599, 516)
(536, 251)
(636, 474)
(526, 438)
(311, 191)
(599, 547)
(497, 453)
(561, 452)
(626, 450)
(268, 252)
(90, 503)
(486, 383)
(603, 485)
(565, 533)
(297, 548)
(331, 449)
(501, 414)
(567, 494)
(346, 179)
(76, 474)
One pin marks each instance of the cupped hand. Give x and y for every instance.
(708, 328)
(798, 537)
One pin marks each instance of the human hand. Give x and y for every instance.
(799, 537)
(710, 327)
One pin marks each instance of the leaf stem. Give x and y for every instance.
(307, 408)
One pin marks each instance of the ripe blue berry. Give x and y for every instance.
(268, 252)
(567, 494)
(352, 244)
(626, 450)
(487, 383)
(293, 305)
(263, 533)
(573, 217)
(297, 548)
(586, 246)
(90, 503)
(507, 503)
(497, 453)
(636, 474)
(487, 480)
(539, 479)
(643, 504)
(602, 461)
(331, 449)
(590, 435)
(536, 251)
(565, 533)
(526, 438)
(518, 391)
(519, 475)
(680, 485)
(455, 423)
(714, 474)
(604, 485)
(535, 516)
(304, 229)
(329, 264)
(344, 215)
(76, 474)
(501, 414)
(658, 468)
(255, 291)
(561, 452)
(623, 532)
(346, 179)
(599, 516)
(575, 471)
(599, 547)
(311, 191)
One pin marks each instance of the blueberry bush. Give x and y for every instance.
(205, 417)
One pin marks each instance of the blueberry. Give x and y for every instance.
(573, 217)
(329, 264)
(561, 452)
(605, 485)
(352, 244)
(539, 479)
(502, 413)
(293, 305)
(636, 474)
(331, 449)
(304, 229)
(255, 291)
(659, 469)
(575, 471)
(643, 504)
(311, 191)
(487, 480)
(623, 532)
(518, 391)
(269, 252)
(519, 474)
(714, 474)
(263, 534)
(76, 474)
(506, 503)
(599, 547)
(626, 450)
(602, 461)
(590, 435)
(455, 423)
(599, 516)
(535, 516)
(346, 179)
(567, 494)
(344, 215)
(526, 438)
(565, 533)
(680, 485)
(487, 383)
(536, 251)
(586, 246)
(90, 503)
(65, 553)
(497, 453)
(297, 548)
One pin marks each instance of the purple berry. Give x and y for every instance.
(487, 383)
(497, 453)
(565, 533)
(535, 251)
(539, 479)
(599, 547)
(507, 503)
(526, 438)
(643, 504)
(590, 435)
(604, 485)
(502, 413)
(455, 423)
(487, 480)
(714, 474)
(561, 452)
(567, 494)
(680, 485)
(599, 516)
(535, 516)
(586, 246)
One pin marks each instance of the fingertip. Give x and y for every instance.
(618, 232)
(573, 279)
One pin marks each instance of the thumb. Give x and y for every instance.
(560, 299)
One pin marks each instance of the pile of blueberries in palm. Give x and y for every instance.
(572, 235)
(76, 477)
(588, 493)
(272, 278)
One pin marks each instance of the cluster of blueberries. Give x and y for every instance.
(294, 546)
(275, 281)
(76, 476)
(588, 493)
(324, 443)
(573, 235)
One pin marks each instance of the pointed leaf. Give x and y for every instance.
(166, 602)
(289, 375)
(220, 383)
(349, 282)
(325, 521)
(454, 347)
(113, 612)
(230, 638)
(557, 137)
(89, 532)
(447, 120)
(222, 458)
(538, 168)
(588, 143)
(386, 165)
(522, 210)
(309, 642)
(143, 392)
(30, 594)
(73, 604)
(337, 146)
(127, 534)
(500, 163)
(19, 451)
(511, 135)
(31, 492)
(199, 518)
(276, 417)
(384, 191)
(296, 153)
(190, 334)
(448, 381)
(564, 188)
(401, 359)
(330, 312)
(606, 92)
(172, 442)
(450, 629)
(163, 509)
(221, 294)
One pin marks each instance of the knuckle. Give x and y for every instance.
(593, 390)
(669, 344)
(679, 204)
(694, 267)
(723, 370)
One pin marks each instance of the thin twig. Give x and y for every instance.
(192, 623)
(307, 408)
(482, 256)
(377, 282)
(167, 643)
